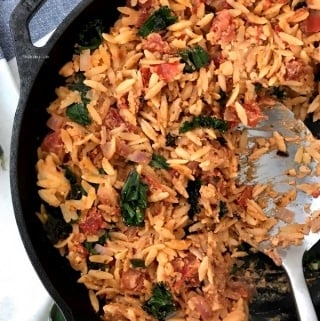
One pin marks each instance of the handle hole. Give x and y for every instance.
(46, 18)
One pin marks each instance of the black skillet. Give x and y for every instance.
(38, 70)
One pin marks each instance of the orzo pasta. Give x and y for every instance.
(138, 174)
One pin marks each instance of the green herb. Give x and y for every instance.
(78, 113)
(257, 87)
(280, 92)
(158, 161)
(223, 209)
(194, 58)
(137, 263)
(223, 98)
(90, 37)
(171, 140)
(161, 304)
(204, 122)
(133, 200)
(55, 226)
(96, 266)
(79, 86)
(158, 21)
(90, 246)
(101, 171)
(76, 190)
(193, 189)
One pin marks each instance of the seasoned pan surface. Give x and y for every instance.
(38, 70)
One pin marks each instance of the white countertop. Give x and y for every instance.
(22, 295)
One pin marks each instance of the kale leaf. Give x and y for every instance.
(90, 36)
(79, 86)
(158, 161)
(223, 209)
(55, 226)
(194, 58)
(138, 263)
(77, 191)
(161, 304)
(193, 189)
(78, 113)
(204, 122)
(171, 140)
(159, 20)
(133, 200)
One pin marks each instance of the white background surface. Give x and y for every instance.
(22, 296)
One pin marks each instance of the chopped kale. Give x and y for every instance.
(204, 122)
(137, 263)
(101, 171)
(79, 86)
(194, 58)
(133, 200)
(90, 37)
(223, 209)
(78, 113)
(90, 246)
(222, 141)
(223, 98)
(96, 265)
(159, 20)
(158, 161)
(77, 191)
(171, 140)
(193, 189)
(257, 87)
(161, 304)
(55, 226)
(279, 92)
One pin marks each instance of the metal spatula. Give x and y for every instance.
(272, 168)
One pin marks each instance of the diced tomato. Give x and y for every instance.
(245, 195)
(114, 120)
(312, 23)
(254, 114)
(146, 74)
(223, 27)
(53, 143)
(294, 69)
(132, 280)
(188, 269)
(253, 111)
(93, 222)
(167, 71)
(155, 43)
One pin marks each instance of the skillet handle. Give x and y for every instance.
(29, 57)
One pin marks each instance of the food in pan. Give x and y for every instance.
(138, 173)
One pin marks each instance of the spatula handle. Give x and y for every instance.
(293, 266)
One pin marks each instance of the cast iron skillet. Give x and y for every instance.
(38, 70)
